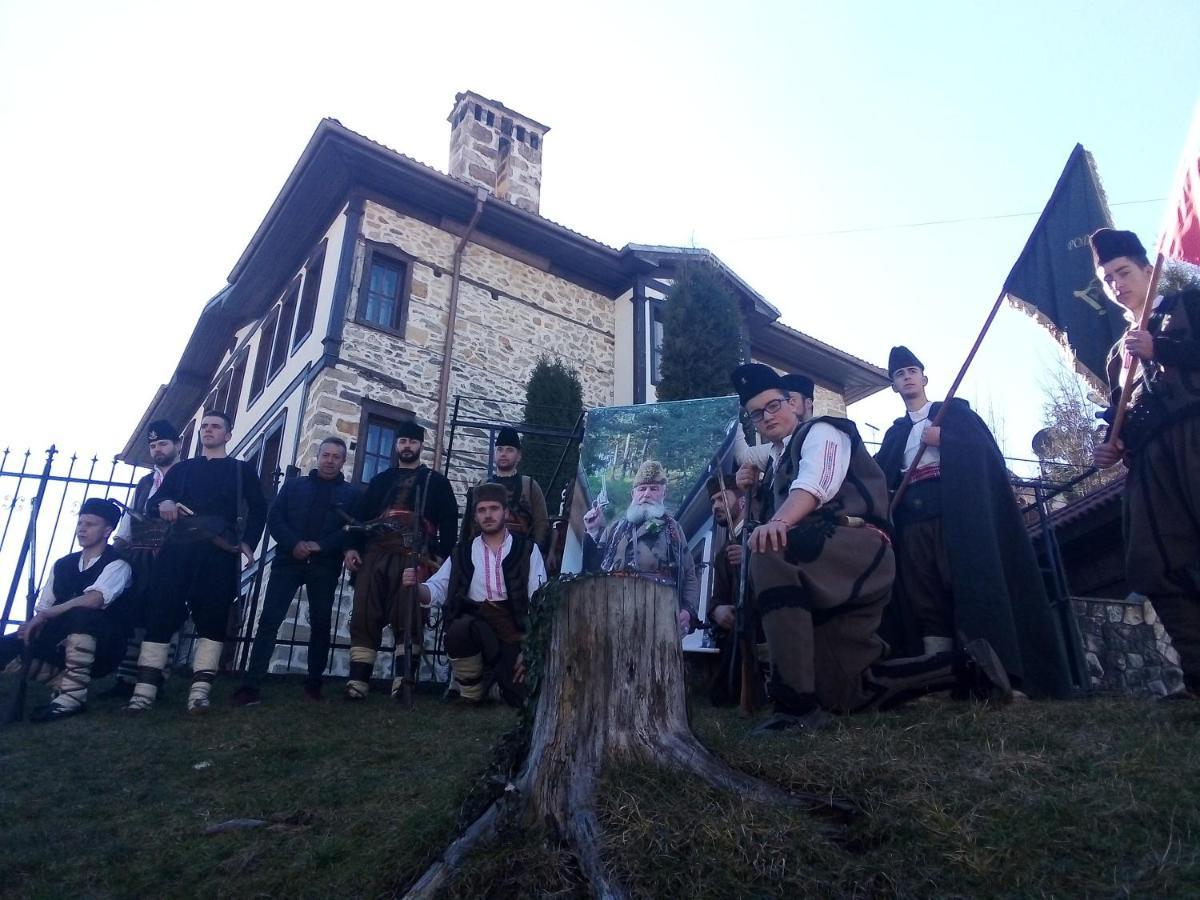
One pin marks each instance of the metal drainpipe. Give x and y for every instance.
(481, 196)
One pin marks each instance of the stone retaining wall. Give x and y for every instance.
(1127, 647)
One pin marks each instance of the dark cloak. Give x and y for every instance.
(999, 594)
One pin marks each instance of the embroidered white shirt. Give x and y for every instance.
(487, 582)
(824, 461)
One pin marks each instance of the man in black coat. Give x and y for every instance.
(307, 520)
(966, 566)
(409, 519)
(138, 538)
(1159, 443)
(216, 509)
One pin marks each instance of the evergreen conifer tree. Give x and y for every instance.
(553, 399)
(702, 336)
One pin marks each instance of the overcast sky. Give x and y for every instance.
(143, 143)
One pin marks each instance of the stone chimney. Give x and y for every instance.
(496, 148)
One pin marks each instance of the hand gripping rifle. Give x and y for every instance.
(418, 552)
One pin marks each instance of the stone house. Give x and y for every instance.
(376, 289)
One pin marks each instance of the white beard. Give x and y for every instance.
(643, 512)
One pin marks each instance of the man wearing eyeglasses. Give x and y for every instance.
(822, 566)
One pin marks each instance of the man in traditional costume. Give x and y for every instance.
(308, 521)
(729, 512)
(139, 537)
(822, 566)
(526, 502)
(216, 509)
(408, 518)
(647, 540)
(484, 590)
(967, 569)
(1159, 443)
(79, 627)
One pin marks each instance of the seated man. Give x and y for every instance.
(484, 589)
(822, 567)
(77, 628)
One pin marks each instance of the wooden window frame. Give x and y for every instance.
(288, 304)
(389, 252)
(262, 356)
(254, 453)
(310, 294)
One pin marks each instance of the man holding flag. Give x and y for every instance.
(1160, 441)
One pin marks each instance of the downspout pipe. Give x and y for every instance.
(481, 195)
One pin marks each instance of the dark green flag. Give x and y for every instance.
(1054, 280)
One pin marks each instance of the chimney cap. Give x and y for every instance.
(497, 106)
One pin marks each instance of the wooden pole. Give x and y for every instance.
(962, 372)
(1130, 359)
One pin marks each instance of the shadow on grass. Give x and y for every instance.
(1098, 798)
(359, 798)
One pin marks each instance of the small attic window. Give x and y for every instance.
(534, 140)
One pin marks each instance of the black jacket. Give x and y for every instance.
(999, 593)
(293, 519)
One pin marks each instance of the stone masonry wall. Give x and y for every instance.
(1127, 648)
(509, 312)
(828, 403)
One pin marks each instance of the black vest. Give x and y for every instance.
(146, 533)
(514, 568)
(70, 583)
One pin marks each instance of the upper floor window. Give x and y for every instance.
(283, 333)
(307, 313)
(266, 342)
(383, 292)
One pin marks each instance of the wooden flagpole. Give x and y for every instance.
(962, 372)
(1131, 360)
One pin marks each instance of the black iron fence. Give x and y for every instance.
(40, 496)
(41, 493)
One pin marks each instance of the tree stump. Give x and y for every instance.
(612, 689)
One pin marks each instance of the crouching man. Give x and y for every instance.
(484, 589)
(822, 569)
(77, 631)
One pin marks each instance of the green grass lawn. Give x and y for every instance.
(1096, 798)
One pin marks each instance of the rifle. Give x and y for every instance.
(16, 706)
(743, 657)
(411, 594)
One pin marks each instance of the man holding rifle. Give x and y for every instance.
(484, 589)
(407, 518)
(216, 509)
(731, 597)
(822, 569)
(1159, 443)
